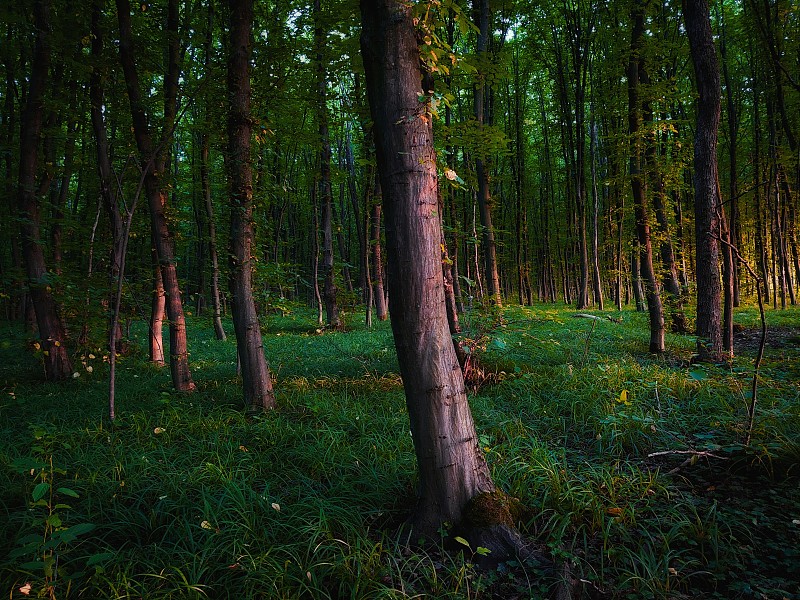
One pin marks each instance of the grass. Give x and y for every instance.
(189, 497)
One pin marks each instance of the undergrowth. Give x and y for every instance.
(632, 468)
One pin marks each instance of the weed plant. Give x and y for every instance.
(188, 496)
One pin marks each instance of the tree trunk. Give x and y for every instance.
(481, 8)
(706, 201)
(453, 473)
(52, 333)
(256, 380)
(381, 309)
(152, 163)
(652, 287)
(107, 182)
(205, 184)
(219, 331)
(325, 194)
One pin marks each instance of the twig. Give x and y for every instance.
(690, 452)
(693, 455)
(751, 409)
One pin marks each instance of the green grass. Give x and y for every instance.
(188, 496)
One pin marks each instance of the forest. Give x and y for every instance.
(400, 299)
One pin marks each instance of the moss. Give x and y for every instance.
(493, 508)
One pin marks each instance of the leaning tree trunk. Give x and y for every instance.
(255, 373)
(152, 165)
(52, 333)
(453, 474)
(706, 201)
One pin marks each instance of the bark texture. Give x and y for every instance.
(153, 162)
(256, 378)
(452, 468)
(651, 286)
(706, 202)
(52, 333)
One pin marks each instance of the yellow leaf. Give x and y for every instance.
(207, 525)
(159, 430)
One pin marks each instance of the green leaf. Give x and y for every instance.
(483, 551)
(95, 559)
(36, 565)
(462, 541)
(499, 343)
(698, 374)
(70, 534)
(54, 520)
(40, 490)
(68, 492)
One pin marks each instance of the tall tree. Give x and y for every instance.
(325, 194)
(453, 474)
(482, 109)
(706, 180)
(255, 373)
(651, 286)
(153, 161)
(52, 333)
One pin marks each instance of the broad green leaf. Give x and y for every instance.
(68, 492)
(462, 541)
(40, 490)
(698, 374)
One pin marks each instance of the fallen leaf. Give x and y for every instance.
(158, 430)
(25, 589)
(207, 525)
(276, 506)
(614, 511)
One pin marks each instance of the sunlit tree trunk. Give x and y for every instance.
(153, 160)
(452, 469)
(256, 380)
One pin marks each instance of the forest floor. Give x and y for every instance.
(633, 467)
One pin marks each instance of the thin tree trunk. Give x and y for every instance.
(52, 333)
(598, 284)
(152, 162)
(256, 380)
(205, 183)
(381, 308)
(325, 194)
(647, 273)
(481, 8)
(219, 331)
(108, 192)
